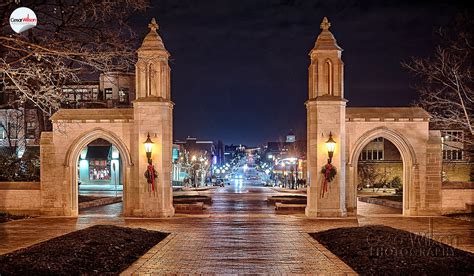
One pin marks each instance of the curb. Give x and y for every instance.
(100, 202)
(383, 202)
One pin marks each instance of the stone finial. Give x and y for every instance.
(325, 24)
(154, 26)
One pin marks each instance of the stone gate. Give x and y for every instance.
(127, 130)
(353, 128)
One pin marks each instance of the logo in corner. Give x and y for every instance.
(23, 19)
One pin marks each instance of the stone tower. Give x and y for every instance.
(153, 114)
(326, 108)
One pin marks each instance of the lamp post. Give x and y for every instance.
(330, 145)
(148, 147)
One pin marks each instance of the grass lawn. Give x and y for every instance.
(386, 251)
(100, 249)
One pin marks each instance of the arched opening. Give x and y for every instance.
(329, 77)
(408, 159)
(100, 178)
(72, 162)
(379, 178)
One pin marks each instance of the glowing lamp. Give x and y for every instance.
(330, 145)
(148, 147)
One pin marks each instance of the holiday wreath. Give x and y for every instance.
(329, 172)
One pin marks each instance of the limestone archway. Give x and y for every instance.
(72, 156)
(408, 159)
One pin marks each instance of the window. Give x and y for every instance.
(371, 154)
(99, 170)
(108, 93)
(83, 94)
(373, 151)
(123, 95)
(453, 135)
(69, 94)
(328, 69)
(30, 130)
(95, 94)
(452, 155)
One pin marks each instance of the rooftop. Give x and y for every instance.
(385, 113)
(326, 40)
(93, 115)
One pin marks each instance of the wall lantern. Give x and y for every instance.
(148, 147)
(330, 145)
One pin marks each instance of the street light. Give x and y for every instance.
(148, 147)
(330, 145)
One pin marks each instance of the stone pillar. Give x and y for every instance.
(430, 189)
(56, 198)
(326, 114)
(153, 114)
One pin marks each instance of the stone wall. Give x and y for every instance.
(457, 197)
(20, 198)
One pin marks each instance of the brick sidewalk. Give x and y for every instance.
(240, 233)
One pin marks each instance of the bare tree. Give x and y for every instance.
(74, 39)
(17, 163)
(446, 89)
(12, 128)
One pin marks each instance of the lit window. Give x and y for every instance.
(108, 93)
(123, 95)
(453, 136)
(95, 93)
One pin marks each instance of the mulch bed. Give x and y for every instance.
(6, 217)
(100, 249)
(385, 250)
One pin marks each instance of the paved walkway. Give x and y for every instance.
(240, 233)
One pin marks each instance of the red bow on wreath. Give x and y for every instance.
(329, 172)
(150, 176)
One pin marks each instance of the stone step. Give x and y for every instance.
(382, 202)
(99, 202)
(289, 207)
(188, 208)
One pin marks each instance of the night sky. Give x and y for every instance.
(239, 67)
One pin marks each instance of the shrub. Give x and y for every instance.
(397, 184)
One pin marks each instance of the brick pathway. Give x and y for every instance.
(240, 233)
